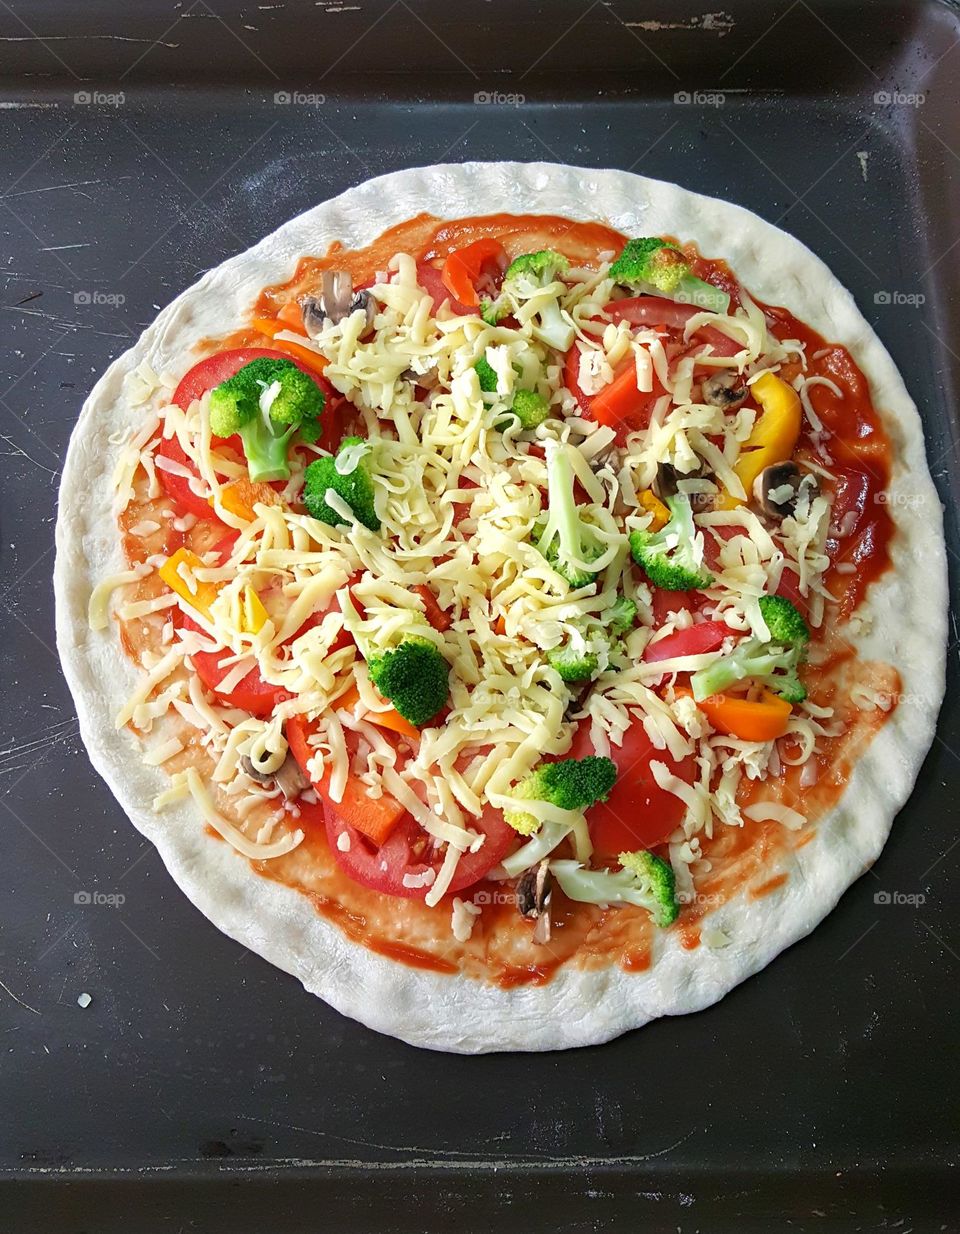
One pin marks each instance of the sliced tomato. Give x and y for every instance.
(696, 640)
(667, 602)
(252, 694)
(638, 813)
(221, 367)
(203, 377)
(431, 280)
(177, 487)
(655, 311)
(571, 379)
(407, 849)
(408, 852)
(789, 588)
(476, 268)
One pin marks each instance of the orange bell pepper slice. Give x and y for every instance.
(762, 720)
(375, 817)
(240, 496)
(391, 719)
(292, 316)
(272, 327)
(462, 269)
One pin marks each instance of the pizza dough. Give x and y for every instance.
(908, 608)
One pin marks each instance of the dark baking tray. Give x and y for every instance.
(202, 1089)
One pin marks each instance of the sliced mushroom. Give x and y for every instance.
(254, 772)
(724, 389)
(533, 890)
(667, 482)
(533, 899)
(777, 488)
(336, 301)
(288, 777)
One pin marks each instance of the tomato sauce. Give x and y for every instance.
(501, 949)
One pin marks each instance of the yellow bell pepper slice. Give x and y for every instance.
(206, 593)
(650, 502)
(253, 616)
(774, 435)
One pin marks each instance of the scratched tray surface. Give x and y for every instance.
(194, 1061)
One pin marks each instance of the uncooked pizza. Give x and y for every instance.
(501, 621)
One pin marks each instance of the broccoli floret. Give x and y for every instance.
(775, 662)
(267, 402)
(487, 375)
(573, 665)
(356, 488)
(530, 408)
(622, 617)
(525, 279)
(653, 262)
(783, 621)
(415, 677)
(668, 556)
(644, 879)
(563, 538)
(573, 784)
(491, 311)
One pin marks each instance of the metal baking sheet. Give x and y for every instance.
(202, 1089)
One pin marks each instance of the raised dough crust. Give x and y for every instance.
(576, 1008)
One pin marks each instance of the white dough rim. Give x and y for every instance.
(576, 1008)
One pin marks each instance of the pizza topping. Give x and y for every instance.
(336, 301)
(341, 489)
(572, 785)
(773, 661)
(653, 263)
(644, 879)
(536, 600)
(267, 402)
(777, 488)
